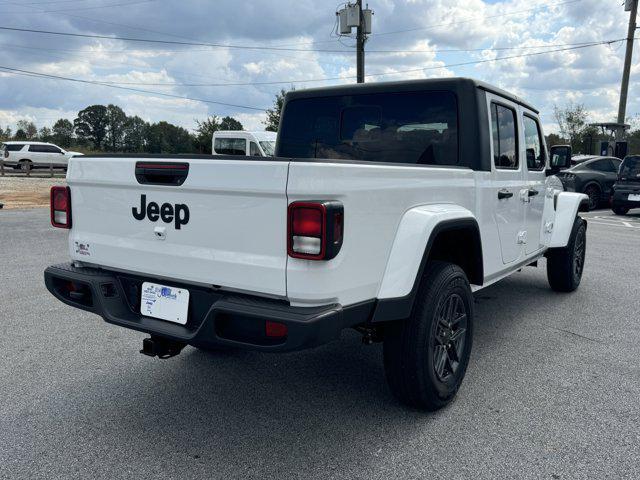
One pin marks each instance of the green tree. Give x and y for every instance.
(91, 125)
(5, 134)
(62, 133)
(116, 120)
(164, 137)
(230, 123)
(554, 139)
(572, 120)
(634, 142)
(29, 128)
(204, 133)
(273, 114)
(206, 128)
(135, 134)
(20, 135)
(45, 134)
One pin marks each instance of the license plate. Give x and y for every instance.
(165, 303)
(634, 198)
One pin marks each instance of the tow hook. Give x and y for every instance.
(161, 347)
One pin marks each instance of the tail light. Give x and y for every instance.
(315, 230)
(6, 153)
(61, 207)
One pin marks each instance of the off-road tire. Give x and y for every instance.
(412, 346)
(565, 265)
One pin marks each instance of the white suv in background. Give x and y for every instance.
(35, 154)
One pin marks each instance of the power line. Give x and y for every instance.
(74, 9)
(259, 47)
(422, 69)
(29, 73)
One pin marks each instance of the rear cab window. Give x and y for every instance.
(392, 127)
(630, 169)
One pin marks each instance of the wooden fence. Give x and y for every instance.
(29, 170)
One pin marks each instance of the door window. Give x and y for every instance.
(254, 151)
(505, 137)
(533, 144)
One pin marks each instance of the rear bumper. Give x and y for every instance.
(215, 317)
(621, 199)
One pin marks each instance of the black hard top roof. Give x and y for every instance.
(453, 83)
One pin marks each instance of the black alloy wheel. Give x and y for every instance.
(448, 337)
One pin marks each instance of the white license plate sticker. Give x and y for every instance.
(165, 303)
(634, 198)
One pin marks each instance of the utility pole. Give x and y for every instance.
(360, 43)
(624, 88)
(353, 15)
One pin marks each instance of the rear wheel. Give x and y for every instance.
(426, 355)
(25, 165)
(593, 192)
(565, 265)
(620, 210)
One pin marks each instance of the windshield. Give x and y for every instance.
(630, 169)
(402, 127)
(268, 147)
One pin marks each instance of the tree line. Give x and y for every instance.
(101, 128)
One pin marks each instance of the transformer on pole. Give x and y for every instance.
(353, 15)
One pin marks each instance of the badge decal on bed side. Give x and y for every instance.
(178, 213)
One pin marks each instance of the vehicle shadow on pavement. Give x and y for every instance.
(282, 413)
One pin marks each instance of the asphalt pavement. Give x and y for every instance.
(552, 390)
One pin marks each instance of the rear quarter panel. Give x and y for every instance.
(375, 198)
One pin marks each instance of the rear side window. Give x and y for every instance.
(630, 169)
(13, 148)
(230, 146)
(533, 144)
(505, 136)
(604, 165)
(44, 149)
(400, 127)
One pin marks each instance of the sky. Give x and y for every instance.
(249, 50)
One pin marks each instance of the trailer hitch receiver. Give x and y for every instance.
(161, 347)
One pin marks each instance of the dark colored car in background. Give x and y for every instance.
(594, 177)
(626, 191)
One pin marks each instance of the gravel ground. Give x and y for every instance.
(26, 192)
(551, 391)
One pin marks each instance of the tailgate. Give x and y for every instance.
(224, 225)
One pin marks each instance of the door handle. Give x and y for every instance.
(532, 192)
(504, 193)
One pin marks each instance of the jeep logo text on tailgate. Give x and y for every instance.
(179, 214)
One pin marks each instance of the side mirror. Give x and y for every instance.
(560, 159)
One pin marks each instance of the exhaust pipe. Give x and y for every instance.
(161, 347)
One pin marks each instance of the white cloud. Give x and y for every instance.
(590, 75)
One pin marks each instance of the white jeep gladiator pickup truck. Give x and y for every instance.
(386, 206)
